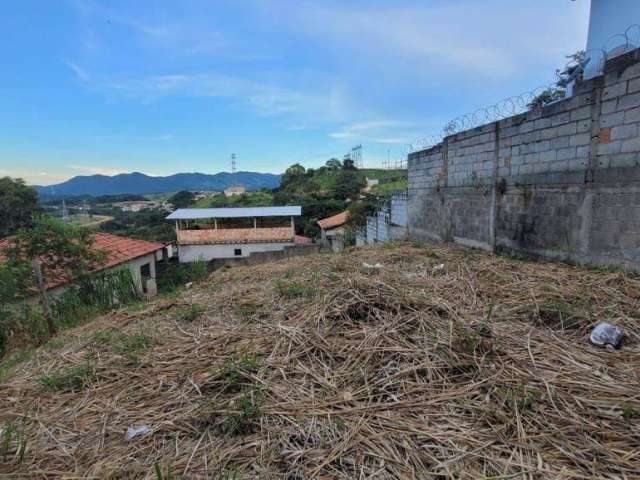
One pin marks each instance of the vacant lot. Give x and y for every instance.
(439, 363)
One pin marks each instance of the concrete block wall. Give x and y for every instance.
(398, 209)
(388, 223)
(558, 182)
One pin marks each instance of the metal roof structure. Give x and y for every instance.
(237, 212)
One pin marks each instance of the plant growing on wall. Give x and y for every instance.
(573, 71)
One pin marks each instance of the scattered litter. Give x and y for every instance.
(605, 334)
(188, 285)
(133, 432)
(377, 266)
(368, 268)
(439, 267)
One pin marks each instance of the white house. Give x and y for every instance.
(613, 29)
(212, 233)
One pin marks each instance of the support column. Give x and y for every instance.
(493, 212)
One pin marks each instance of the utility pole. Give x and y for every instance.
(233, 168)
(65, 212)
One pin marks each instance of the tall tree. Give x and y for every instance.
(18, 205)
(333, 164)
(348, 184)
(182, 199)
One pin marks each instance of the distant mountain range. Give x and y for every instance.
(139, 183)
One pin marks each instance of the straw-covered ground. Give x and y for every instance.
(443, 363)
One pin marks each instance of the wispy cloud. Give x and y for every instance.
(262, 99)
(171, 28)
(384, 132)
(93, 170)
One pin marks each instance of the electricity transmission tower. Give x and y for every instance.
(233, 169)
(356, 156)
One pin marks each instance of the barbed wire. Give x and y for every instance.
(590, 65)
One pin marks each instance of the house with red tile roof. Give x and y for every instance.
(218, 233)
(332, 231)
(138, 256)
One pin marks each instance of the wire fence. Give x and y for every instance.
(589, 65)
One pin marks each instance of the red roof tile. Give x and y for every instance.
(334, 221)
(235, 235)
(116, 250)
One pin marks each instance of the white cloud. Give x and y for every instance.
(35, 178)
(384, 132)
(92, 170)
(493, 39)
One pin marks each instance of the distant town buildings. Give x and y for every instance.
(232, 191)
(205, 194)
(135, 206)
(139, 205)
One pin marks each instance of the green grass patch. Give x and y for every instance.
(629, 412)
(243, 420)
(16, 358)
(72, 379)
(129, 346)
(191, 313)
(292, 289)
(522, 397)
(235, 371)
(13, 441)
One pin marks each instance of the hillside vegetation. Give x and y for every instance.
(322, 192)
(438, 363)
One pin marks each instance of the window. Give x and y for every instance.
(237, 252)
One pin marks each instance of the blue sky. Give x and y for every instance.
(162, 87)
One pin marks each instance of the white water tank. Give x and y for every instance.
(614, 28)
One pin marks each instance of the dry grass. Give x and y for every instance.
(316, 368)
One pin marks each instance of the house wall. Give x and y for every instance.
(264, 257)
(192, 253)
(134, 267)
(334, 238)
(389, 222)
(558, 182)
